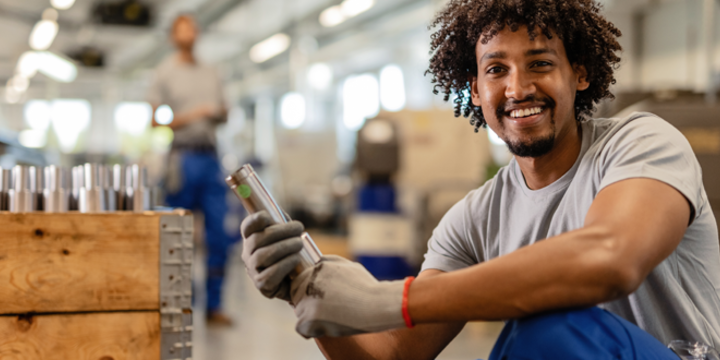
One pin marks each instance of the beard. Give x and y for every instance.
(534, 148)
(537, 146)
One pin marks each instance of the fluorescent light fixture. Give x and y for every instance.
(19, 83)
(332, 16)
(62, 4)
(360, 100)
(28, 64)
(56, 67)
(37, 114)
(292, 110)
(352, 8)
(269, 47)
(392, 88)
(164, 115)
(335, 15)
(320, 76)
(11, 95)
(32, 138)
(69, 117)
(133, 117)
(43, 34)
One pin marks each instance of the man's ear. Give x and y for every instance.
(582, 77)
(474, 94)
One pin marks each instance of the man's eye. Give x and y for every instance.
(494, 70)
(541, 64)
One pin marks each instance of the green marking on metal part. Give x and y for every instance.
(244, 191)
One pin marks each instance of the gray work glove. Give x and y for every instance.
(338, 297)
(270, 253)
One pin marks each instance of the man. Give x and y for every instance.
(607, 212)
(194, 93)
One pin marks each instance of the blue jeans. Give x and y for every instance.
(202, 187)
(577, 334)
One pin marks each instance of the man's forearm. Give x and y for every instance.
(574, 269)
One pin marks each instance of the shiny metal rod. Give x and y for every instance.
(255, 197)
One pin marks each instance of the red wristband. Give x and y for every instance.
(405, 312)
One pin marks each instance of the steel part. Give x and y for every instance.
(21, 197)
(106, 183)
(92, 195)
(55, 194)
(5, 181)
(118, 186)
(77, 183)
(176, 256)
(36, 186)
(254, 196)
(141, 192)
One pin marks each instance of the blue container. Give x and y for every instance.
(377, 198)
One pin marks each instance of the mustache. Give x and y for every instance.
(546, 101)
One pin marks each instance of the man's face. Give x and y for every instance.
(184, 33)
(526, 89)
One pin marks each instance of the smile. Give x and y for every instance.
(521, 113)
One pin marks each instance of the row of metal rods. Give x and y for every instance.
(88, 188)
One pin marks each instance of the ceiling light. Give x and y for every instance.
(37, 114)
(43, 34)
(70, 117)
(292, 110)
(28, 64)
(62, 4)
(332, 16)
(164, 115)
(352, 8)
(32, 138)
(56, 67)
(133, 117)
(392, 88)
(269, 47)
(360, 100)
(19, 83)
(320, 76)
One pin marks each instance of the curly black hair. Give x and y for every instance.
(589, 39)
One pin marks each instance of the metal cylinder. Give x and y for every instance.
(108, 191)
(92, 196)
(255, 197)
(21, 196)
(5, 181)
(118, 186)
(77, 183)
(140, 198)
(55, 194)
(36, 186)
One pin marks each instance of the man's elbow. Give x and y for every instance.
(620, 274)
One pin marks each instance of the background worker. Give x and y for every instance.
(607, 212)
(194, 181)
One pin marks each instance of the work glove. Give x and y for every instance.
(338, 297)
(270, 253)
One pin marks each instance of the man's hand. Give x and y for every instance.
(339, 297)
(270, 253)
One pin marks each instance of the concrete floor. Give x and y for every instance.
(265, 329)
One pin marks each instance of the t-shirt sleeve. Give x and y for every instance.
(649, 147)
(448, 247)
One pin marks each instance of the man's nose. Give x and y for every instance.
(519, 86)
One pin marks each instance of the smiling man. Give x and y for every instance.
(597, 241)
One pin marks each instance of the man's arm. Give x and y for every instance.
(631, 227)
(421, 342)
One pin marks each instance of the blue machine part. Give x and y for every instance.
(377, 198)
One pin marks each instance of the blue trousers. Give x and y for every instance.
(577, 334)
(203, 188)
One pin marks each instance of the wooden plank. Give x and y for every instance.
(93, 336)
(74, 262)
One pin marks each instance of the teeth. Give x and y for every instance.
(525, 112)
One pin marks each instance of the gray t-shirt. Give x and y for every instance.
(680, 299)
(183, 87)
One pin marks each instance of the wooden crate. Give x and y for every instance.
(109, 286)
